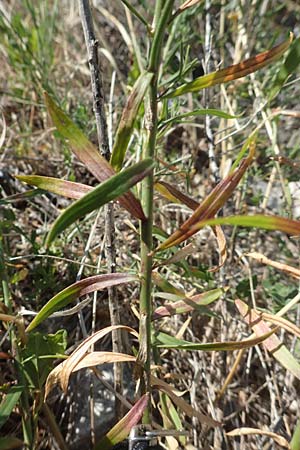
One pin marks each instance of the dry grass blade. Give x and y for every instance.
(97, 358)
(279, 321)
(293, 271)
(245, 431)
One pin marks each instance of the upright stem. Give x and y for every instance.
(162, 13)
(103, 139)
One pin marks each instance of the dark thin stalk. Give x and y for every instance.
(103, 139)
(161, 17)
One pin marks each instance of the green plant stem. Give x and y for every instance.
(160, 20)
(54, 427)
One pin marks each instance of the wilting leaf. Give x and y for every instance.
(293, 271)
(187, 304)
(111, 189)
(232, 72)
(82, 287)
(56, 186)
(88, 154)
(128, 117)
(163, 340)
(210, 206)
(61, 373)
(289, 66)
(272, 344)
(182, 404)
(9, 402)
(245, 431)
(122, 429)
(10, 443)
(96, 358)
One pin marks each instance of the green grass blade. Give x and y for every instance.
(129, 114)
(111, 189)
(163, 340)
(76, 290)
(197, 112)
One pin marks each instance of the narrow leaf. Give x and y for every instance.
(275, 223)
(187, 304)
(245, 431)
(233, 72)
(9, 402)
(163, 340)
(293, 271)
(128, 117)
(122, 429)
(197, 112)
(272, 344)
(111, 189)
(210, 206)
(88, 154)
(56, 186)
(182, 404)
(76, 290)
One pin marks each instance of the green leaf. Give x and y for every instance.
(289, 66)
(38, 355)
(88, 154)
(9, 402)
(76, 290)
(110, 190)
(163, 340)
(128, 117)
(232, 72)
(122, 429)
